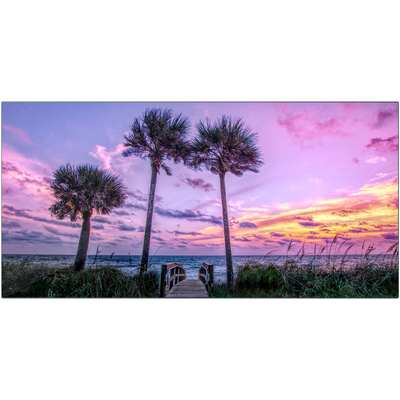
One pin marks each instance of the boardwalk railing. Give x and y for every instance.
(206, 275)
(171, 274)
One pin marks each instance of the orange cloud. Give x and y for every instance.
(369, 213)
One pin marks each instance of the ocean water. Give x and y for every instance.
(192, 264)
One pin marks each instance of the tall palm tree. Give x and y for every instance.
(158, 136)
(226, 146)
(81, 189)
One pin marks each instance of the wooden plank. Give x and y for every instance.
(189, 293)
(190, 282)
(189, 288)
(172, 265)
(175, 276)
(188, 296)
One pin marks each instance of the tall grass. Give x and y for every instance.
(263, 280)
(25, 279)
(373, 276)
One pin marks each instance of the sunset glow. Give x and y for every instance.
(329, 169)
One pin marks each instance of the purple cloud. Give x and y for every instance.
(187, 233)
(7, 167)
(137, 206)
(391, 236)
(243, 239)
(24, 213)
(121, 212)
(142, 229)
(177, 213)
(382, 117)
(247, 225)
(58, 233)
(358, 230)
(32, 237)
(309, 223)
(303, 218)
(101, 220)
(305, 130)
(126, 228)
(97, 227)
(199, 183)
(212, 219)
(260, 237)
(384, 145)
(10, 224)
(344, 213)
(140, 196)
(189, 215)
(274, 234)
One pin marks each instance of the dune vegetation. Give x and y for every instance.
(373, 276)
(325, 276)
(25, 279)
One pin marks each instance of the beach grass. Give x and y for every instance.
(25, 279)
(292, 281)
(374, 276)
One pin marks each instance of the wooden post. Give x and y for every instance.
(162, 280)
(211, 270)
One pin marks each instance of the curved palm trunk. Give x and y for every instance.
(80, 258)
(147, 232)
(229, 265)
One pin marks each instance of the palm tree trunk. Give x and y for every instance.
(147, 232)
(229, 265)
(80, 258)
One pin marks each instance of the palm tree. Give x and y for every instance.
(226, 146)
(80, 190)
(158, 136)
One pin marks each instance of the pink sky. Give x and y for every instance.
(329, 168)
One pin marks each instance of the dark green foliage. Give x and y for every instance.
(158, 136)
(40, 281)
(262, 280)
(220, 290)
(81, 189)
(17, 276)
(226, 146)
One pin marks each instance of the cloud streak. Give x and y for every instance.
(389, 145)
(306, 129)
(382, 118)
(199, 183)
(25, 213)
(18, 132)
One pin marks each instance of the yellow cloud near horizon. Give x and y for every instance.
(374, 207)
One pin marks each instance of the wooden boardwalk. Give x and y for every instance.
(188, 288)
(173, 282)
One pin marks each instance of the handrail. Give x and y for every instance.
(206, 275)
(176, 274)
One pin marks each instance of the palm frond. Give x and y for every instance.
(158, 135)
(228, 145)
(80, 190)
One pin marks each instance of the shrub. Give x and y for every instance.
(25, 280)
